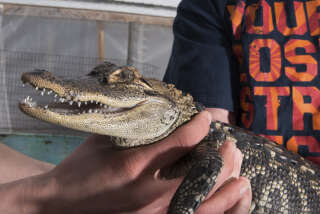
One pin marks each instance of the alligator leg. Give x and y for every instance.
(199, 181)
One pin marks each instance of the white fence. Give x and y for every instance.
(162, 8)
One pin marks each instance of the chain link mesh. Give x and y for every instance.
(14, 63)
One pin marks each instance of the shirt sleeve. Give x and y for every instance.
(201, 61)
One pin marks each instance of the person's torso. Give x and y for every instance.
(277, 45)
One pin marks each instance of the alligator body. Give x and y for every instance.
(119, 102)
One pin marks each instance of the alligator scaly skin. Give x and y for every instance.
(281, 181)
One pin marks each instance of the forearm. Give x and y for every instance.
(15, 166)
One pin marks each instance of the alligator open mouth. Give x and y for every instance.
(85, 95)
(68, 106)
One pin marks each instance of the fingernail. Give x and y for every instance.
(237, 164)
(244, 188)
(157, 174)
(209, 117)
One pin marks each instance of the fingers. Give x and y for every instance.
(189, 134)
(234, 193)
(234, 197)
(180, 142)
(220, 114)
(244, 204)
(232, 160)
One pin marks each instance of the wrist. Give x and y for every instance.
(30, 195)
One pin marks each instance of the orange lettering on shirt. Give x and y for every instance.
(275, 138)
(272, 103)
(309, 145)
(254, 12)
(255, 66)
(281, 19)
(305, 100)
(311, 64)
(313, 17)
(236, 14)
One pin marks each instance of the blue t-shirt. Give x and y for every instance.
(258, 58)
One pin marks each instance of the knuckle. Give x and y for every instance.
(239, 156)
(181, 140)
(189, 136)
(229, 171)
(130, 167)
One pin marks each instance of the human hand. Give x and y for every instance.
(96, 175)
(126, 179)
(96, 178)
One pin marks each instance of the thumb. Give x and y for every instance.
(180, 142)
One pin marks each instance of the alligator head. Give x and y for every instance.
(111, 100)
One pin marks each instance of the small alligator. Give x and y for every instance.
(119, 102)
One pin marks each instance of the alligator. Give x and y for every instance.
(119, 102)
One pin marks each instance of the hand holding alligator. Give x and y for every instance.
(96, 178)
(117, 101)
(127, 180)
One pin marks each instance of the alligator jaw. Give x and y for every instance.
(133, 123)
(131, 110)
(70, 99)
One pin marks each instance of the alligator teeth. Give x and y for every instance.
(72, 101)
(28, 101)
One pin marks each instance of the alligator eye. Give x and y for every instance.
(146, 82)
(123, 75)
